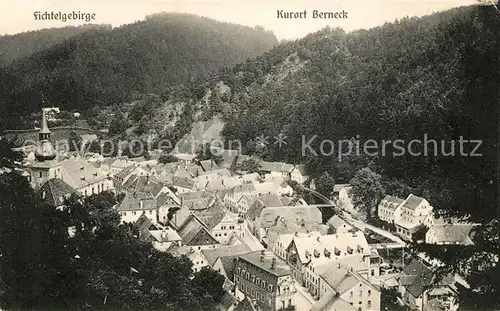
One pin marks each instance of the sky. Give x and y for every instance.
(17, 15)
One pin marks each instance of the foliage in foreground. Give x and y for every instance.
(81, 257)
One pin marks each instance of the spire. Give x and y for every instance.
(44, 129)
(45, 150)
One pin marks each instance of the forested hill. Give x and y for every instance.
(437, 75)
(107, 66)
(13, 47)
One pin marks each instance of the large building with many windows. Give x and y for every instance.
(265, 278)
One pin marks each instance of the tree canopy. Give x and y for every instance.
(83, 258)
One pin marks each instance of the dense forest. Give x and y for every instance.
(13, 47)
(81, 258)
(107, 66)
(435, 77)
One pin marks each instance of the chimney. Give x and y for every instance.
(296, 234)
(338, 265)
(273, 263)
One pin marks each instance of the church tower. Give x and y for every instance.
(46, 166)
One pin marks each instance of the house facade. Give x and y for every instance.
(265, 278)
(389, 209)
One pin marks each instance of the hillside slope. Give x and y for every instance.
(13, 47)
(433, 77)
(107, 66)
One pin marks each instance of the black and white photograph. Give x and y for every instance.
(248, 155)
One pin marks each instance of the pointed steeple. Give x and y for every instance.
(45, 150)
(44, 129)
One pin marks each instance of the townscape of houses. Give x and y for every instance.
(273, 248)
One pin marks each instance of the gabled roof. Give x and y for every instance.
(299, 214)
(343, 244)
(191, 228)
(226, 302)
(453, 233)
(78, 173)
(54, 191)
(343, 279)
(283, 228)
(281, 268)
(391, 202)
(412, 202)
(166, 235)
(180, 216)
(144, 223)
(212, 254)
(245, 305)
(330, 301)
(125, 172)
(337, 222)
(271, 166)
(137, 201)
(421, 278)
(183, 182)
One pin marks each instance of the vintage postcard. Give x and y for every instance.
(230, 155)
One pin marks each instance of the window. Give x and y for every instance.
(239, 270)
(369, 292)
(373, 272)
(270, 288)
(248, 276)
(369, 303)
(350, 294)
(40, 174)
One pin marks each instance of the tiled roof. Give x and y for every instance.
(183, 182)
(435, 305)
(412, 202)
(283, 228)
(245, 305)
(136, 202)
(337, 222)
(281, 268)
(78, 173)
(343, 279)
(212, 254)
(125, 172)
(271, 166)
(453, 233)
(298, 214)
(180, 216)
(168, 235)
(422, 277)
(391, 202)
(333, 243)
(53, 191)
(191, 227)
(330, 302)
(225, 302)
